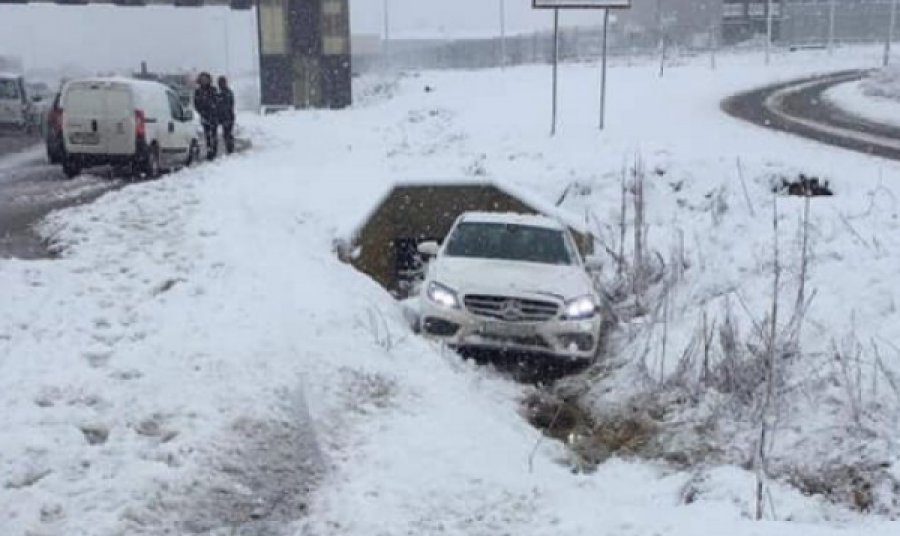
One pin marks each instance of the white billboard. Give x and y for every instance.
(581, 4)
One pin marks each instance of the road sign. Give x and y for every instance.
(581, 4)
(556, 5)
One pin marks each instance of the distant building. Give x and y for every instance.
(682, 22)
(181, 83)
(11, 64)
(744, 19)
(693, 23)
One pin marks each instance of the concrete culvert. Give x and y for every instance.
(385, 246)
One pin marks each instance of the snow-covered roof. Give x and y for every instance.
(513, 218)
(529, 198)
(134, 82)
(545, 207)
(5, 74)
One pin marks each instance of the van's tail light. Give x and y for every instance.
(56, 119)
(140, 124)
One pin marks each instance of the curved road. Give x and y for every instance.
(798, 107)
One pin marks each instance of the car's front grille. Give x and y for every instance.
(511, 309)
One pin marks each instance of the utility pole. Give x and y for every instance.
(603, 69)
(386, 49)
(890, 34)
(555, 70)
(659, 22)
(768, 31)
(662, 37)
(502, 34)
(227, 44)
(832, 12)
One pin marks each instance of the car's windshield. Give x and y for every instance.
(509, 242)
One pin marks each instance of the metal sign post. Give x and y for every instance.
(556, 5)
(555, 69)
(768, 31)
(892, 20)
(603, 70)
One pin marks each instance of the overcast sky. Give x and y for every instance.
(106, 37)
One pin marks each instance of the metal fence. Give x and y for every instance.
(798, 24)
(845, 21)
(575, 44)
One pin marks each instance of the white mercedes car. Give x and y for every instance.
(511, 282)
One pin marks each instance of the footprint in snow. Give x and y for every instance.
(97, 358)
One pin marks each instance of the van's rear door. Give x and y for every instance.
(84, 107)
(119, 126)
(98, 118)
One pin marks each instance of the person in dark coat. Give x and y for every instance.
(206, 103)
(225, 113)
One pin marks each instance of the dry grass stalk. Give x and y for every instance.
(771, 350)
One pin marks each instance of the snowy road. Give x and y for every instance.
(13, 142)
(30, 189)
(800, 108)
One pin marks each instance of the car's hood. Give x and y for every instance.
(487, 276)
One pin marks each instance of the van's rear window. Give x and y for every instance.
(84, 100)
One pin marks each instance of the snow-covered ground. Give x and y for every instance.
(857, 99)
(884, 82)
(199, 361)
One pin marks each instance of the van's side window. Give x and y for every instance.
(175, 106)
(9, 89)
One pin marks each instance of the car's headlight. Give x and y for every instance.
(580, 308)
(442, 295)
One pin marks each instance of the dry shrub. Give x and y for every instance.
(556, 417)
(617, 435)
(864, 487)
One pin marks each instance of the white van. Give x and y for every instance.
(133, 124)
(14, 104)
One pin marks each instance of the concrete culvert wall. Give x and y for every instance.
(385, 246)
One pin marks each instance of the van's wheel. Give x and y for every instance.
(193, 154)
(71, 168)
(151, 166)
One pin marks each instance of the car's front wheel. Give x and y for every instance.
(193, 154)
(148, 165)
(71, 167)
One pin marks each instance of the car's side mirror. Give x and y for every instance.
(593, 263)
(429, 249)
(37, 98)
(188, 115)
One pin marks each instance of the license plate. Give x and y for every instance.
(85, 138)
(506, 329)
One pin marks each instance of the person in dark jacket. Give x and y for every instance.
(225, 113)
(206, 103)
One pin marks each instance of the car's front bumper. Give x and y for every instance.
(572, 339)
